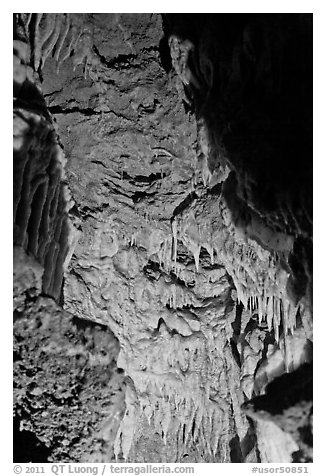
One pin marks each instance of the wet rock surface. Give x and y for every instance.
(187, 145)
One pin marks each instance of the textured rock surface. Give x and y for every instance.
(183, 159)
(41, 198)
(67, 391)
(288, 404)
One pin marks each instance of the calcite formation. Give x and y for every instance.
(41, 201)
(164, 230)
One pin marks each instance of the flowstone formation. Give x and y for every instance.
(164, 233)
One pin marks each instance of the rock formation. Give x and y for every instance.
(163, 237)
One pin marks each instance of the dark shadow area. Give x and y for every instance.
(256, 98)
(249, 441)
(235, 450)
(27, 448)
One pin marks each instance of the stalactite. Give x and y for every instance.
(62, 37)
(49, 45)
(160, 402)
(49, 36)
(75, 36)
(175, 240)
(37, 41)
(50, 21)
(28, 20)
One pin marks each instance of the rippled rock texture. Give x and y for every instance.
(163, 238)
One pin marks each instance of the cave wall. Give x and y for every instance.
(43, 232)
(189, 236)
(68, 393)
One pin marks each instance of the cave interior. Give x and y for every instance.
(162, 224)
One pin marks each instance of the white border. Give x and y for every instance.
(277, 6)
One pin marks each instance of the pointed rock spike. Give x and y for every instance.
(37, 41)
(48, 48)
(61, 40)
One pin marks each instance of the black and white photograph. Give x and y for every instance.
(162, 240)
